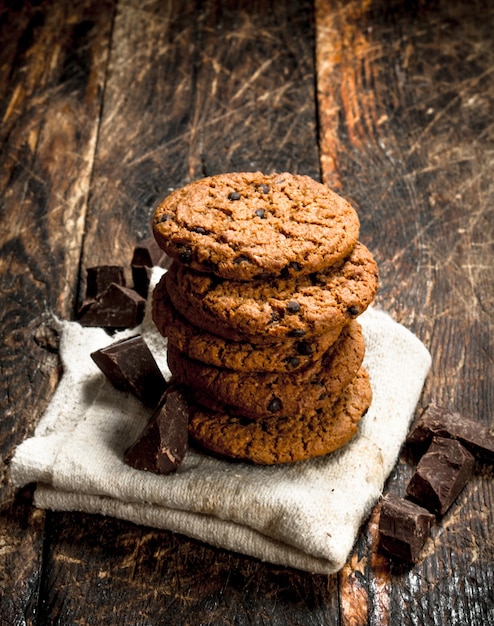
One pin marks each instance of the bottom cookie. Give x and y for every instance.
(275, 440)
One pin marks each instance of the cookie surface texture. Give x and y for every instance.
(268, 311)
(243, 356)
(286, 440)
(244, 225)
(263, 395)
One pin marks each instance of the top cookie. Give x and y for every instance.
(248, 225)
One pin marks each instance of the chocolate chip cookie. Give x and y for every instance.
(262, 395)
(284, 440)
(266, 311)
(245, 225)
(287, 356)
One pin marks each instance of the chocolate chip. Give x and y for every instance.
(297, 332)
(353, 311)
(241, 258)
(234, 195)
(275, 405)
(185, 256)
(199, 230)
(263, 188)
(163, 218)
(296, 267)
(304, 348)
(293, 361)
(293, 306)
(261, 213)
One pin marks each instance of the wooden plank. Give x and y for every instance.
(50, 117)
(132, 575)
(52, 66)
(405, 100)
(190, 104)
(181, 102)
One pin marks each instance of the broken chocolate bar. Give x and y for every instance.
(116, 307)
(100, 277)
(129, 366)
(147, 255)
(440, 475)
(403, 527)
(436, 420)
(162, 445)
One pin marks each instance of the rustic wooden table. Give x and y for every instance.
(105, 106)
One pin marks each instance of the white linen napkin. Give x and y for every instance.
(305, 515)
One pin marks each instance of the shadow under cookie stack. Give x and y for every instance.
(259, 308)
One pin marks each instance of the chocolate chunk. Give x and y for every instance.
(440, 421)
(403, 527)
(147, 255)
(129, 366)
(440, 475)
(234, 195)
(141, 275)
(162, 445)
(99, 278)
(260, 213)
(117, 307)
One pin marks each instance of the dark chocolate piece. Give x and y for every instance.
(437, 420)
(147, 255)
(99, 278)
(141, 275)
(129, 366)
(162, 445)
(117, 307)
(440, 475)
(403, 527)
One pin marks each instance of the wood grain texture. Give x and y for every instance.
(405, 94)
(195, 89)
(106, 106)
(49, 109)
(53, 62)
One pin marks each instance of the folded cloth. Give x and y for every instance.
(304, 515)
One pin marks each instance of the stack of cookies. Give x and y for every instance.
(259, 308)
